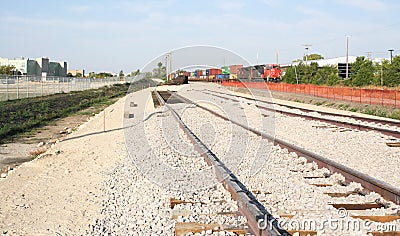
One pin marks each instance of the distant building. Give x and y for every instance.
(75, 72)
(36, 67)
(43, 64)
(338, 62)
(57, 69)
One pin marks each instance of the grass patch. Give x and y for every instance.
(344, 106)
(375, 112)
(395, 115)
(26, 115)
(297, 100)
(319, 103)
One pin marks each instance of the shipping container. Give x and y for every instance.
(234, 68)
(215, 71)
(233, 76)
(221, 77)
(225, 70)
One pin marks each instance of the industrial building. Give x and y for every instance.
(339, 62)
(76, 72)
(37, 67)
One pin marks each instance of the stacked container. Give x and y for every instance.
(225, 70)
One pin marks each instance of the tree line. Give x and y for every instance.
(363, 73)
(7, 70)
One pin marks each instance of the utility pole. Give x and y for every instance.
(369, 55)
(347, 56)
(168, 64)
(391, 55)
(307, 47)
(277, 57)
(257, 58)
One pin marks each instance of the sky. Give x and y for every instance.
(100, 35)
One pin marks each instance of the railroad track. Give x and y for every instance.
(346, 124)
(386, 191)
(248, 205)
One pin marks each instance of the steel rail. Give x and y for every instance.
(346, 124)
(387, 191)
(248, 205)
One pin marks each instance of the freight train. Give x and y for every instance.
(266, 72)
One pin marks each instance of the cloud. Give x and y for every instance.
(78, 9)
(368, 5)
(229, 5)
(144, 6)
(271, 3)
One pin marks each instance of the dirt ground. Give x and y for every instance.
(60, 192)
(17, 152)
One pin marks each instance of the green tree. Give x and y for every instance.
(135, 73)
(159, 71)
(362, 72)
(311, 74)
(313, 56)
(92, 75)
(121, 73)
(391, 72)
(148, 75)
(327, 75)
(103, 75)
(290, 75)
(7, 70)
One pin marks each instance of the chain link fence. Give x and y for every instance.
(17, 87)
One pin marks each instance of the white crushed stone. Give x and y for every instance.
(290, 192)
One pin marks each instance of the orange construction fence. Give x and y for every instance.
(384, 96)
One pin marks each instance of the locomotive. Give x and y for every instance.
(267, 72)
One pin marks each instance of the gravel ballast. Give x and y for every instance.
(280, 181)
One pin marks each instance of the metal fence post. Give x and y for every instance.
(342, 93)
(27, 87)
(351, 95)
(7, 88)
(17, 87)
(370, 95)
